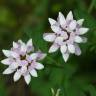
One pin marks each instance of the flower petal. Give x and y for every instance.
(83, 31)
(14, 54)
(53, 48)
(33, 72)
(71, 48)
(15, 45)
(63, 49)
(50, 37)
(39, 66)
(8, 71)
(27, 78)
(55, 28)
(23, 48)
(23, 70)
(80, 22)
(17, 76)
(72, 25)
(29, 43)
(41, 56)
(33, 56)
(7, 53)
(52, 21)
(77, 50)
(30, 46)
(59, 40)
(69, 16)
(62, 20)
(78, 39)
(65, 56)
(14, 65)
(6, 61)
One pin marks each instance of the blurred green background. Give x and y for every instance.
(24, 19)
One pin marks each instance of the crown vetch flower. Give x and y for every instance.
(22, 60)
(67, 35)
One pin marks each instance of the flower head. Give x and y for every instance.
(22, 60)
(67, 35)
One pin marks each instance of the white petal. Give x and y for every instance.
(77, 50)
(55, 28)
(83, 31)
(30, 46)
(8, 71)
(72, 25)
(80, 22)
(21, 42)
(17, 76)
(15, 45)
(69, 16)
(6, 61)
(39, 66)
(50, 37)
(78, 39)
(33, 56)
(63, 49)
(14, 54)
(7, 53)
(23, 70)
(23, 48)
(65, 56)
(27, 78)
(62, 19)
(14, 65)
(41, 56)
(52, 21)
(33, 72)
(29, 43)
(59, 40)
(53, 48)
(71, 48)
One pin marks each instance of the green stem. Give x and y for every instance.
(91, 6)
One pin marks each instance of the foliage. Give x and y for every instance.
(24, 19)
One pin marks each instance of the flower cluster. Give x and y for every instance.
(66, 36)
(22, 60)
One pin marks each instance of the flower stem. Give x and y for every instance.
(91, 6)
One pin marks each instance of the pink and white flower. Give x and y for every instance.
(67, 35)
(22, 60)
